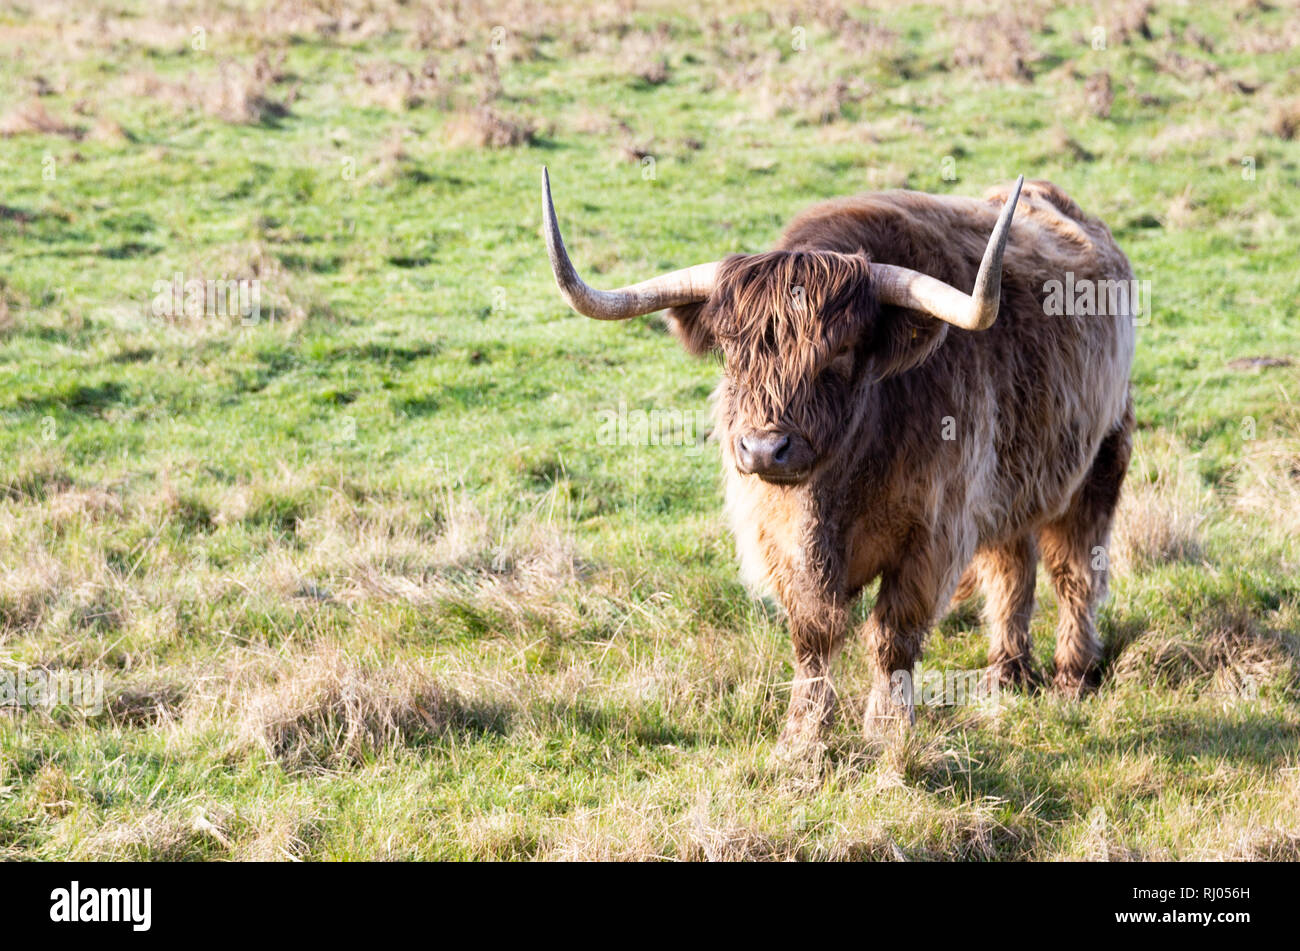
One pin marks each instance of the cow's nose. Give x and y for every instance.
(761, 451)
(778, 457)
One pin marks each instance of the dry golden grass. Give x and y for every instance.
(281, 834)
(1229, 652)
(145, 700)
(1182, 211)
(177, 833)
(729, 827)
(1159, 519)
(326, 711)
(1266, 483)
(33, 118)
(1284, 120)
(54, 791)
(486, 128)
(1099, 92)
(26, 588)
(998, 46)
(243, 94)
(398, 88)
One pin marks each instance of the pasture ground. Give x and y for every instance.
(364, 580)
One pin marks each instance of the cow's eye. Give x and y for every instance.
(842, 362)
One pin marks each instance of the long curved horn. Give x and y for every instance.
(685, 286)
(904, 287)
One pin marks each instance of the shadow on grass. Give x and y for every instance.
(1041, 782)
(76, 398)
(622, 726)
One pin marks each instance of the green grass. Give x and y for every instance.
(363, 581)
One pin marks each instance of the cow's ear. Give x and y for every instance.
(692, 325)
(904, 339)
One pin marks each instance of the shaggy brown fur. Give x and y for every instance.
(937, 448)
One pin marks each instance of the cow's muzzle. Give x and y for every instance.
(780, 457)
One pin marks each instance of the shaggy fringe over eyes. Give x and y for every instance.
(779, 318)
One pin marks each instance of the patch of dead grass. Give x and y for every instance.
(1160, 517)
(184, 832)
(238, 93)
(1099, 94)
(241, 95)
(144, 700)
(486, 128)
(326, 711)
(1266, 484)
(998, 46)
(54, 791)
(1227, 651)
(398, 88)
(1284, 120)
(33, 118)
(28, 586)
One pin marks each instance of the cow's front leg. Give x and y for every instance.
(817, 630)
(906, 607)
(896, 646)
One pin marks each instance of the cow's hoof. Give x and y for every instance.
(1016, 674)
(1075, 686)
(810, 717)
(804, 738)
(885, 717)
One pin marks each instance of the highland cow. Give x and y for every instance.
(877, 422)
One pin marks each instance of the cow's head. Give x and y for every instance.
(798, 334)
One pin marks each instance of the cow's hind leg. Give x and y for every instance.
(1007, 574)
(966, 587)
(1075, 551)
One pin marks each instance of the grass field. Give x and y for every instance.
(362, 578)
